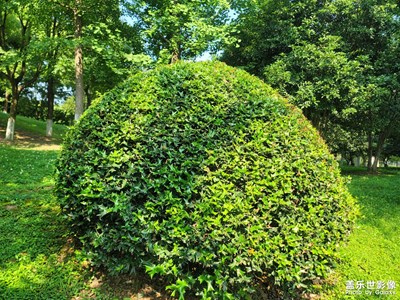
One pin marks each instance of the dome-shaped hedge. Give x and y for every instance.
(203, 174)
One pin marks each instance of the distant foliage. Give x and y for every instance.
(203, 174)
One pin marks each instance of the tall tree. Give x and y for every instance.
(85, 15)
(323, 81)
(264, 29)
(371, 28)
(54, 26)
(78, 10)
(108, 49)
(176, 30)
(20, 64)
(285, 36)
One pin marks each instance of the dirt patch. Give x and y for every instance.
(28, 140)
(131, 287)
(138, 287)
(11, 207)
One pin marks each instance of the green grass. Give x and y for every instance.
(37, 261)
(33, 126)
(373, 251)
(32, 262)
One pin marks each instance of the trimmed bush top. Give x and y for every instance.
(203, 174)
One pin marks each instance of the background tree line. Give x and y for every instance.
(336, 60)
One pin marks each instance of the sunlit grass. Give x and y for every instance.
(32, 233)
(33, 126)
(373, 251)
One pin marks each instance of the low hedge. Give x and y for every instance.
(202, 174)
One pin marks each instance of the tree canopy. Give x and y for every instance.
(335, 59)
(176, 30)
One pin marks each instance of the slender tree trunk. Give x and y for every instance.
(88, 97)
(79, 86)
(50, 107)
(369, 165)
(79, 90)
(176, 52)
(13, 113)
(38, 109)
(351, 158)
(7, 97)
(379, 148)
(174, 57)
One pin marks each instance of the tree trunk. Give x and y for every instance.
(176, 52)
(88, 97)
(50, 106)
(379, 148)
(13, 113)
(79, 90)
(7, 97)
(79, 87)
(10, 128)
(174, 58)
(369, 166)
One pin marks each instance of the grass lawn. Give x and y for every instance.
(30, 133)
(37, 261)
(373, 251)
(32, 262)
(33, 126)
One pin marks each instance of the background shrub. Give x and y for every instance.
(201, 173)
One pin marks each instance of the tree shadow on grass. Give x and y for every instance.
(28, 140)
(380, 200)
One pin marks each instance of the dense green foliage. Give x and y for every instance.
(203, 174)
(181, 30)
(338, 59)
(323, 82)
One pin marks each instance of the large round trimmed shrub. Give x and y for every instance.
(203, 174)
